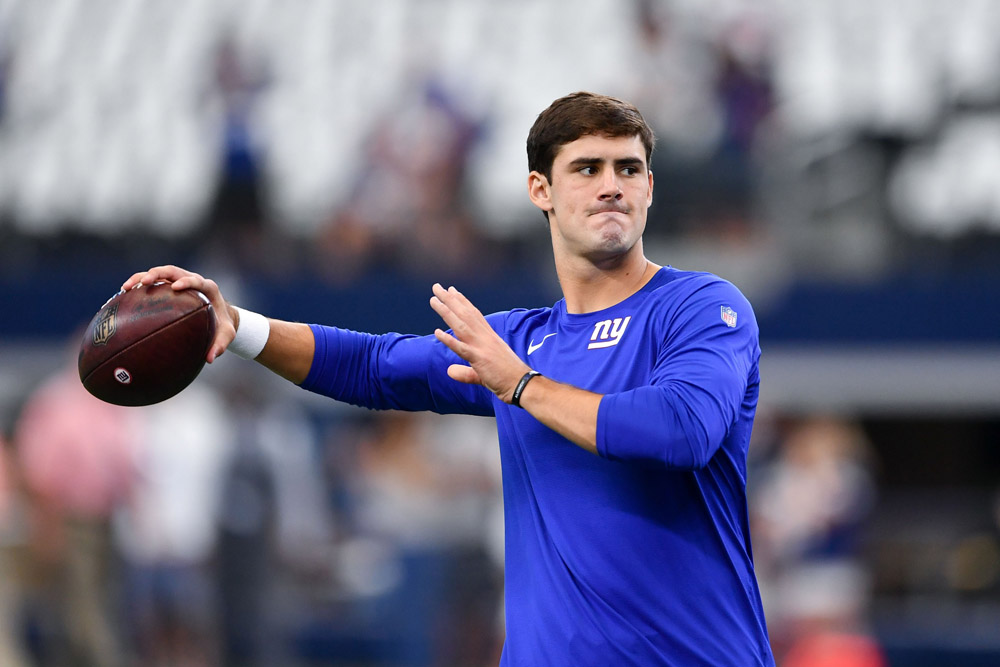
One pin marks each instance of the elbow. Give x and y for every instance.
(701, 439)
(700, 449)
(672, 431)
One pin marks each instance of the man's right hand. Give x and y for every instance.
(226, 317)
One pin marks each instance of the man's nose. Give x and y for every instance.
(610, 187)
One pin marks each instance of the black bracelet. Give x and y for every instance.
(515, 400)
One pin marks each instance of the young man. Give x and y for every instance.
(631, 547)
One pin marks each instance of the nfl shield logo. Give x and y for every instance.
(729, 316)
(104, 327)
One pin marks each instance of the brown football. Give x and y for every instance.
(145, 345)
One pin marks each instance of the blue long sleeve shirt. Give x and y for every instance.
(640, 555)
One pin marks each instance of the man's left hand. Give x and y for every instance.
(492, 363)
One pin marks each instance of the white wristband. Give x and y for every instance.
(251, 335)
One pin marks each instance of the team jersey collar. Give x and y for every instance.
(660, 278)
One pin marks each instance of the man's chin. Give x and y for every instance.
(611, 247)
(614, 236)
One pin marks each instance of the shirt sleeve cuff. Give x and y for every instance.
(602, 426)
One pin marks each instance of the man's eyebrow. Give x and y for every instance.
(620, 162)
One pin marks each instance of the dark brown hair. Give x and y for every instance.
(582, 114)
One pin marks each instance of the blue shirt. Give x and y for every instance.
(638, 556)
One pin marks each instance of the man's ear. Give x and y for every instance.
(649, 197)
(539, 191)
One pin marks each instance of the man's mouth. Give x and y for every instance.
(610, 209)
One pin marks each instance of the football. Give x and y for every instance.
(147, 344)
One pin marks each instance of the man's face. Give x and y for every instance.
(597, 199)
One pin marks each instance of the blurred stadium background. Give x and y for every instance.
(328, 160)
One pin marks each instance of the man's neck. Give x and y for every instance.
(588, 287)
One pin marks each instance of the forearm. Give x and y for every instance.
(289, 348)
(389, 372)
(567, 410)
(647, 423)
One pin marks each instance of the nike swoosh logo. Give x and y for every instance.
(532, 347)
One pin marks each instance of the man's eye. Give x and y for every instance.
(630, 171)
(588, 171)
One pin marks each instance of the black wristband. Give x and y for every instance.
(515, 400)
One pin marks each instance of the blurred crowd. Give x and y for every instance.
(811, 492)
(394, 133)
(228, 526)
(236, 524)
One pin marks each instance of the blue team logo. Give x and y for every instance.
(729, 316)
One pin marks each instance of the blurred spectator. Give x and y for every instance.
(743, 85)
(808, 507)
(275, 528)
(12, 652)
(239, 208)
(167, 533)
(78, 463)
(706, 91)
(424, 494)
(672, 81)
(835, 650)
(743, 91)
(407, 208)
(245, 549)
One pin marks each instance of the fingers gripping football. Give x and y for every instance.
(226, 319)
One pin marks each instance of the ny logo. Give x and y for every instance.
(608, 332)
